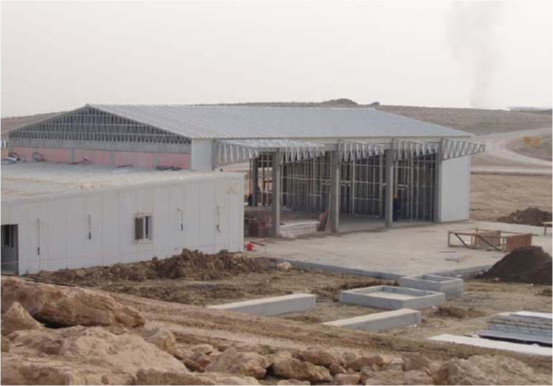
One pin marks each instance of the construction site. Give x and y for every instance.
(408, 285)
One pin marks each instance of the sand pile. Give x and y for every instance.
(529, 216)
(524, 264)
(189, 264)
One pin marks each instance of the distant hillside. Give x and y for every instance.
(474, 121)
(11, 123)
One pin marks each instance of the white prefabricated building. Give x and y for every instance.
(57, 216)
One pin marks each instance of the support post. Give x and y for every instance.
(335, 193)
(389, 199)
(254, 182)
(276, 194)
(437, 215)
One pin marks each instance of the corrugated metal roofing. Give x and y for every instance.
(247, 122)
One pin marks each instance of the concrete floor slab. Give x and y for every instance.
(449, 286)
(400, 251)
(392, 298)
(380, 321)
(272, 306)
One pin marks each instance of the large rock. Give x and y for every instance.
(5, 344)
(17, 318)
(368, 361)
(162, 338)
(92, 352)
(347, 379)
(304, 371)
(488, 370)
(244, 363)
(156, 377)
(412, 361)
(320, 357)
(22, 370)
(68, 306)
(292, 382)
(399, 378)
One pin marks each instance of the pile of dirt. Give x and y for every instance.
(529, 216)
(524, 264)
(189, 264)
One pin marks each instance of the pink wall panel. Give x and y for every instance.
(179, 160)
(138, 159)
(55, 155)
(98, 157)
(102, 157)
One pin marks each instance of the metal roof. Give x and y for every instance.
(24, 180)
(253, 122)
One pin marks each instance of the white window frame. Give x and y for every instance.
(147, 228)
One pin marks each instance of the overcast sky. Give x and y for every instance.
(59, 56)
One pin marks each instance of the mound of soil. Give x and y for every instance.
(525, 265)
(189, 264)
(529, 216)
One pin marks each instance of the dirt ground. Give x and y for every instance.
(463, 315)
(493, 196)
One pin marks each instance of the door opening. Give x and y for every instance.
(10, 249)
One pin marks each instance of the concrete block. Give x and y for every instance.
(494, 344)
(380, 321)
(450, 286)
(392, 298)
(272, 306)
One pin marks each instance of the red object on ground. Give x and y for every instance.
(249, 246)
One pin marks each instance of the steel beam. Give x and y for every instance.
(275, 205)
(389, 199)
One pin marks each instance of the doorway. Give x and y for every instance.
(10, 249)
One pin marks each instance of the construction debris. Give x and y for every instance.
(527, 327)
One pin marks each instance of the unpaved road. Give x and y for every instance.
(501, 158)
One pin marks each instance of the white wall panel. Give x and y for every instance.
(455, 190)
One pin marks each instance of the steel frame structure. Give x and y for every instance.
(89, 124)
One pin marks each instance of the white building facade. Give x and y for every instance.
(74, 216)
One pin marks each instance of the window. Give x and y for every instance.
(143, 228)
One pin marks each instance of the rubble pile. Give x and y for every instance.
(525, 265)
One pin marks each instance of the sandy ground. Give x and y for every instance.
(493, 196)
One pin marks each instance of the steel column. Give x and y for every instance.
(335, 192)
(275, 205)
(389, 199)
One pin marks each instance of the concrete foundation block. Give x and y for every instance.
(272, 306)
(392, 298)
(380, 321)
(450, 286)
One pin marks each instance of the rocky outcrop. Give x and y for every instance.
(304, 371)
(488, 370)
(68, 306)
(244, 363)
(17, 318)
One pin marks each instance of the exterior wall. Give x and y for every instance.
(142, 159)
(454, 190)
(202, 154)
(211, 212)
